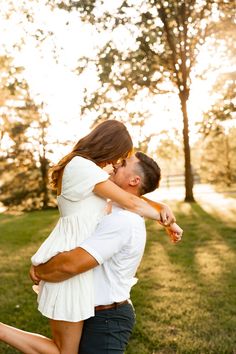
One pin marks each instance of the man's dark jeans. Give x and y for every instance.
(108, 332)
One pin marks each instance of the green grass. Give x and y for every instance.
(185, 299)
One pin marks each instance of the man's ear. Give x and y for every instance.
(134, 181)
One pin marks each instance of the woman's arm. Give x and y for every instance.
(127, 200)
(167, 216)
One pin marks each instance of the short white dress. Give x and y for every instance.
(80, 211)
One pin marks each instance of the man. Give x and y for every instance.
(114, 251)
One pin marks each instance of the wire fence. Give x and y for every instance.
(178, 180)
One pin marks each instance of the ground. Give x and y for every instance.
(185, 297)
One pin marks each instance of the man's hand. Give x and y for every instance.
(175, 233)
(63, 266)
(167, 216)
(35, 279)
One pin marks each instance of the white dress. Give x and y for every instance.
(80, 211)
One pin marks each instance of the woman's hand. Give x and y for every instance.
(35, 279)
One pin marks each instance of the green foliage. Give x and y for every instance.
(23, 158)
(85, 7)
(224, 107)
(164, 40)
(218, 161)
(218, 157)
(169, 154)
(185, 297)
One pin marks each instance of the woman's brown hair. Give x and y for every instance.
(107, 142)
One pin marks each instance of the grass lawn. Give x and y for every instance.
(185, 299)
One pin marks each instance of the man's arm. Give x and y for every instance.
(64, 266)
(108, 239)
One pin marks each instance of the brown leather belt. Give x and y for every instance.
(111, 306)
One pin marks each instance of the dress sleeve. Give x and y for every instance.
(79, 178)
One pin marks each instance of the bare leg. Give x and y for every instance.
(26, 342)
(67, 335)
(66, 340)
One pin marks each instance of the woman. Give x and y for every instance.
(82, 188)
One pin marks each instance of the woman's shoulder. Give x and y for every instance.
(81, 161)
(83, 166)
(79, 178)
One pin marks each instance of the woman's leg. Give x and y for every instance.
(26, 342)
(66, 337)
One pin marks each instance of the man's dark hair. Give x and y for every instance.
(150, 173)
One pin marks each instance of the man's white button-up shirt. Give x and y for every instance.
(118, 245)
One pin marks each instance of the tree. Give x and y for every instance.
(169, 151)
(218, 163)
(23, 159)
(167, 37)
(41, 151)
(24, 138)
(224, 107)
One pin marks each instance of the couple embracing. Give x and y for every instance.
(86, 267)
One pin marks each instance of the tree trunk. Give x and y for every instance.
(44, 172)
(44, 163)
(228, 162)
(187, 156)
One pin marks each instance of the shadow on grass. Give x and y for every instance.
(202, 232)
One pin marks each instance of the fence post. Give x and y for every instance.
(168, 182)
